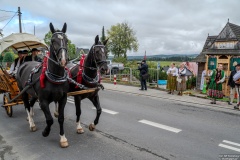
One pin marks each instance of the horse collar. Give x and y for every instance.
(90, 80)
(55, 78)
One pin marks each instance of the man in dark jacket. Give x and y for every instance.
(33, 56)
(143, 67)
(231, 84)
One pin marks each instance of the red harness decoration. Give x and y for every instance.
(44, 68)
(81, 68)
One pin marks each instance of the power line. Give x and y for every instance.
(4, 19)
(9, 20)
(7, 11)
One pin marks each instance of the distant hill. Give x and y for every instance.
(162, 56)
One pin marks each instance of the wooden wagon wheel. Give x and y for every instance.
(7, 108)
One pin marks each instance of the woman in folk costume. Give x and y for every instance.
(215, 86)
(171, 79)
(181, 79)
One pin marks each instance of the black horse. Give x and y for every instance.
(53, 87)
(94, 63)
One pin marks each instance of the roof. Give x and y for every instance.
(236, 30)
(229, 32)
(21, 41)
(209, 41)
(222, 51)
(200, 58)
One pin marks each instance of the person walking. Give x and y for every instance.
(181, 79)
(143, 68)
(217, 77)
(171, 78)
(233, 88)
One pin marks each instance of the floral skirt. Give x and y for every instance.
(181, 86)
(215, 90)
(171, 82)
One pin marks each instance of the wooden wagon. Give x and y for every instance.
(8, 84)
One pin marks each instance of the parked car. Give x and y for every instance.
(114, 67)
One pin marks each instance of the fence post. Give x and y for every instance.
(115, 80)
(130, 75)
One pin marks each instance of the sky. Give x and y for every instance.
(161, 26)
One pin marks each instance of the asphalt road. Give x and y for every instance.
(130, 127)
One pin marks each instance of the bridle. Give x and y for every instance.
(56, 52)
(98, 64)
(51, 76)
(101, 62)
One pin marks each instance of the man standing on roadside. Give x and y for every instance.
(143, 67)
(237, 84)
(233, 89)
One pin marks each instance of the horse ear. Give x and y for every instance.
(51, 27)
(105, 42)
(96, 39)
(64, 29)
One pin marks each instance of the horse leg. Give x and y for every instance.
(49, 120)
(61, 105)
(77, 100)
(29, 111)
(96, 103)
(56, 110)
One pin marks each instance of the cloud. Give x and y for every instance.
(162, 26)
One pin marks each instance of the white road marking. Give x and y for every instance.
(233, 143)
(168, 128)
(107, 111)
(230, 147)
(70, 99)
(70, 102)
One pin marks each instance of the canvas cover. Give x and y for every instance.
(21, 41)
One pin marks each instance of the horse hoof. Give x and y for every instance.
(64, 144)
(33, 129)
(56, 114)
(80, 131)
(45, 133)
(91, 127)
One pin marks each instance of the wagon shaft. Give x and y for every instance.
(80, 92)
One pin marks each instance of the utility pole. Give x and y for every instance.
(34, 29)
(20, 24)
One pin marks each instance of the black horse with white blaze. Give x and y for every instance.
(94, 64)
(53, 87)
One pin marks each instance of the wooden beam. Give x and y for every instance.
(80, 92)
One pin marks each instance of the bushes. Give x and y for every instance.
(191, 83)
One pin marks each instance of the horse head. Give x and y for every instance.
(59, 45)
(99, 55)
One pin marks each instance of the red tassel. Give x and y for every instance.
(81, 68)
(43, 76)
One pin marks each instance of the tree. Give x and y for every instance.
(103, 38)
(71, 47)
(121, 39)
(8, 57)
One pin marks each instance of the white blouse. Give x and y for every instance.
(173, 71)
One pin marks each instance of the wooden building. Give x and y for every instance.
(223, 48)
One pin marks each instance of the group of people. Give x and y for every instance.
(23, 57)
(217, 77)
(176, 79)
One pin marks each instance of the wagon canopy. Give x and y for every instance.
(19, 41)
